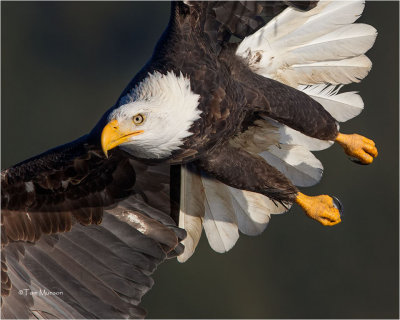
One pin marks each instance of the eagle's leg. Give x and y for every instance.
(358, 146)
(302, 113)
(289, 106)
(246, 171)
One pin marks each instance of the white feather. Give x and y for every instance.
(342, 106)
(220, 223)
(306, 26)
(258, 137)
(225, 210)
(29, 187)
(345, 42)
(312, 47)
(297, 163)
(334, 72)
(253, 210)
(293, 137)
(191, 211)
(293, 27)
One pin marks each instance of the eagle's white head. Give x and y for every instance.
(154, 117)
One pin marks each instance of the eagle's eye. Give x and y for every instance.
(138, 119)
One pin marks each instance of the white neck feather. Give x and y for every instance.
(170, 108)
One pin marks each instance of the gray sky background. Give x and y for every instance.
(65, 63)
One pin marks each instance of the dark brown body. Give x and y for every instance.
(232, 98)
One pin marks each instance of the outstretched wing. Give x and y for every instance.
(81, 234)
(221, 20)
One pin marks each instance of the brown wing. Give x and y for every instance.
(86, 228)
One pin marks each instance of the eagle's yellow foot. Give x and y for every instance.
(321, 208)
(358, 146)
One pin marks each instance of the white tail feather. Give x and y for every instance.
(220, 223)
(253, 210)
(191, 211)
(222, 210)
(297, 163)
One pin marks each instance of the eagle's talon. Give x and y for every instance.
(324, 209)
(356, 161)
(338, 205)
(358, 147)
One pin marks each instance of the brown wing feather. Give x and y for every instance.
(57, 236)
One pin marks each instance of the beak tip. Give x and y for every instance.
(105, 152)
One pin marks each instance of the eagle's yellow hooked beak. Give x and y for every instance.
(112, 136)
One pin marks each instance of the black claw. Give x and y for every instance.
(338, 205)
(356, 161)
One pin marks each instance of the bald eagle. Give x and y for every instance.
(212, 133)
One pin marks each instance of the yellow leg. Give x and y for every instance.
(358, 146)
(320, 208)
